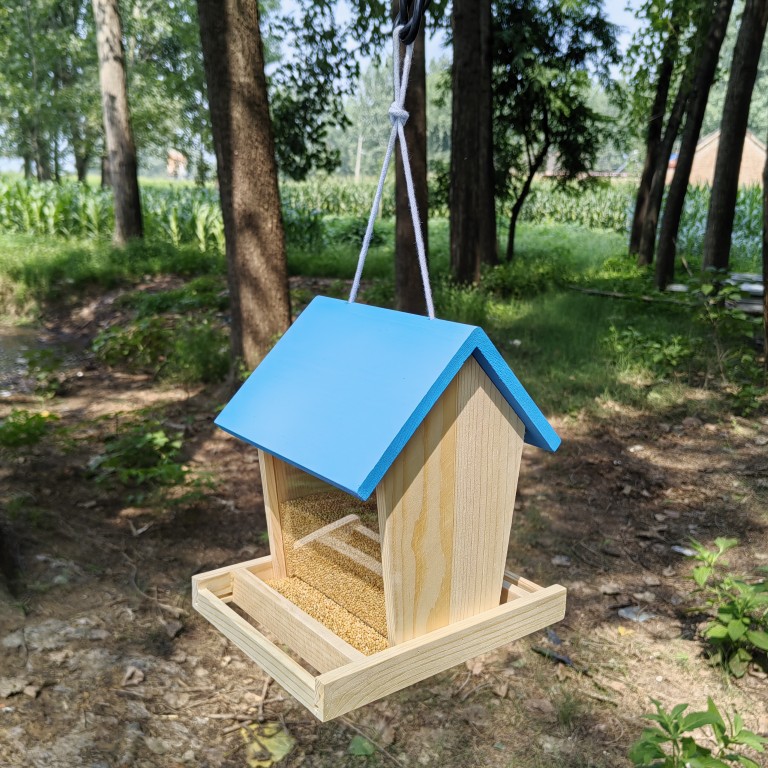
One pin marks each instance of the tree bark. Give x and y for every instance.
(702, 82)
(247, 172)
(409, 291)
(118, 135)
(647, 247)
(472, 205)
(522, 195)
(765, 267)
(653, 142)
(733, 130)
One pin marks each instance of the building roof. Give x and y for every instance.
(348, 384)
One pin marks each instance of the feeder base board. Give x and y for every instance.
(349, 679)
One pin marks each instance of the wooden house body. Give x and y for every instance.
(389, 448)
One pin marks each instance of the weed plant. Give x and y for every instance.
(672, 741)
(738, 630)
(23, 428)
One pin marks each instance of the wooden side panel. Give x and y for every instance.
(305, 635)
(271, 481)
(219, 582)
(359, 683)
(489, 444)
(291, 675)
(415, 502)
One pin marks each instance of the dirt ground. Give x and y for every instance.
(103, 661)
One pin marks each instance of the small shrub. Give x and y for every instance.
(23, 428)
(670, 743)
(523, 278)
(144, 455)
(739, 628)
(304, 228)
(186, 351)
(464, 304)
(662, 355)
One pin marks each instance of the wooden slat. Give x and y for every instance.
(219, 581)
(415, 501)
(315, 643)
(519, 581)
(292, 676)
(359, 683)
(271, 474)
(325, 530)
(489, 444)
(354, 554)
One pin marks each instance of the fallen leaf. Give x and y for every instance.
(266, 744)
(501, 690)
(563, 561)
(610, 588)
(132, 676)
(544, 706)
(11, 685)
(644, 597)
(623, 631)
(31, 691)
(475, 667)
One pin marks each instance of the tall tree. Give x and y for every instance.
(654, 132)
(409, 293)
(245, 156)
(702, 82)
(118, 134)
(545, 55)
(725, 186)
(765, 266)
(472, 205)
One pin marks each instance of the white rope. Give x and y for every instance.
(398, 117)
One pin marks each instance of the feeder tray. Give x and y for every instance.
(348, 678)
(389, 450)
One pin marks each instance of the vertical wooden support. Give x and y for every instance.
(272, 481)
(415, 501)
(489, 445)
(445, 509)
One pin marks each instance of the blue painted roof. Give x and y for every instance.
(348, 384)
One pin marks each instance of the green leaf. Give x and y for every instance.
(758, 638)
(736, 629)
(706, 761)
(695, 720)
(750, 739)
(724, 544)
(701, 573)
(360, 747)
(746, 761)
(716, 632)
(739, 662)
(646, 749)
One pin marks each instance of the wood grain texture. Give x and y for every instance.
(219, 581)
(306, 636)
(295, 483)
(291, 675)
(415, 501)
(489, 444)
(359, 683)
(272, 478)
(445, 509)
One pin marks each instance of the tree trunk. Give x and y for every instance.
(659, 181)
(725, 186)
(522, 195)
(247, 172)
(409, 290)
(472, 205)
(653, 142)
(27, 166)
(702, 82)
(118, 136)
(358, 158)
(81, 166)
(105, 181)
(765, 267)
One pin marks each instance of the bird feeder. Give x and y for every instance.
(389, 447)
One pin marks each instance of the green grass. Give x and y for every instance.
(570, 349)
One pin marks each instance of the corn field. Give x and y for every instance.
(183, 215)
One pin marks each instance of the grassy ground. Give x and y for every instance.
(115, 487)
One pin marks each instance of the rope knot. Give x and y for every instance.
(397, 115)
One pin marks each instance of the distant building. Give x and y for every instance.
(176, 164)
(703, 170)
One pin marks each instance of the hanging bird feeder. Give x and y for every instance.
(389, 447)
